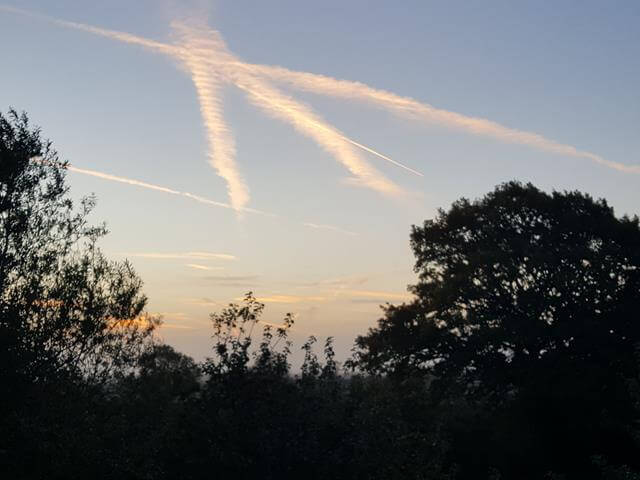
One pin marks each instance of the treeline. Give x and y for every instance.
(517, 359)
(172, 418)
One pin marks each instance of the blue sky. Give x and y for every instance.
(565, 70)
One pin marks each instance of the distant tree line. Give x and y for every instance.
(516, 359)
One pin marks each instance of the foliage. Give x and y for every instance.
(233, 333)
(526, 312)
(64, 308)
(517, 358)
(69, 318)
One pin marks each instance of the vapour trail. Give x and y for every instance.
(310, 118)
(103, 32)
(129, 181)
(413, 109)
(197, 198)
(402, 106)
(184, 256)
(208, 52)
(178, 51)
(329, 227)
(221, 146)
(222, 151)
(159, 188)
(208, 58)
(384, 157)
(309, 124)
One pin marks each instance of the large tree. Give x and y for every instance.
(65, 310)
(527, 303)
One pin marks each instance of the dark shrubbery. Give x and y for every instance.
(518, 358)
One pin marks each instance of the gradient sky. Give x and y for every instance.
(568, 71)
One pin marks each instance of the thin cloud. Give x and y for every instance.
(176, 321)
(245, 281)
(374, 295)
(221, 144)
(219, 66)
(409, 108)
(328, 227)
(291, 299)
(174, 315)
(128, 181)
(222, 150)
(185, 255)
(176, 326)
(197, 266)
(160, 188)
(103, 32)
(341, 282)
(208, 53)
(197, 58)
(203, 302)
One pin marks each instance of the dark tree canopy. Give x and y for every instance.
(515, 279)
(524, 298)
(64, 308)
(517, 359)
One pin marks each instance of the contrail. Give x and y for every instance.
(159, 188)
(103, 32)
(129, 181)
(413, 109)
(329, 227)
(402, 106)
(222, 149)
(197, 198)
(317, 123)
(207, 46)
(185, 255)
(205, 85)
(384, 157)
(220, 141)
(310, 125)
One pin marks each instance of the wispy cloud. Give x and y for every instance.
(160, 188)
(203, 302)
(207, 51)
(415, 110)
(197, 266)
(341, 282)
(374, 295)
(245, 281)
(176, 321)
(210, 64)
(128, 181)
(174, 315)
(208, 83)
(185, 255)
(328, 227)
(176, 326)
(291, 299)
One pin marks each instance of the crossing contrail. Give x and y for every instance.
(211, 53)
(197, 54)
(413, 109)
(210, 64)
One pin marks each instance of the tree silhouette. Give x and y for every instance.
(518, 357)
(69, 318)
(526, 306)
(64, 308)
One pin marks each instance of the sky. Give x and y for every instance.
(262, 172)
